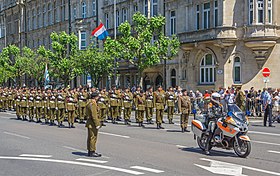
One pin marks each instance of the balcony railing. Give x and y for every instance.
(208, 34)
(261, 31)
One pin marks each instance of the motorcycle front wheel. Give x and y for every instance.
(201, 142)
(243, 149)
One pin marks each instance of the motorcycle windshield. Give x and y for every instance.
(237, 113)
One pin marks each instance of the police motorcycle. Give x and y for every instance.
(229, 131)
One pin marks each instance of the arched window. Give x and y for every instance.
(159, 80)
(207, 69)
(84, 10)
(237, 70)
(173, 77)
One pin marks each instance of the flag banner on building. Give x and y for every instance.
(100, 32)
(46, 76)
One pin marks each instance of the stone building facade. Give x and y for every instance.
(223, 43)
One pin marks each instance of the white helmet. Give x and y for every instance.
(215, 96)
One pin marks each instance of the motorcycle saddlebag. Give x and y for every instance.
(198, 128)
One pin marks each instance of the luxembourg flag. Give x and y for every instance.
(100, 32)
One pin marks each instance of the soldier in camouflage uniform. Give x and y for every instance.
(149, 105)
(135, 94)
(61, 107)
(46, 108)
(24, 105)
(31, 110)
(159, 100)
(127, 105)
(102, 101)
(18, 100)
(52, 108)
(70, 107)
(114, 106)
(38, 106)
(170, 101)
(83, 96)
(140, 108)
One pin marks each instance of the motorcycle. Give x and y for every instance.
(230, 132)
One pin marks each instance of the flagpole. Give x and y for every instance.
(115, 37)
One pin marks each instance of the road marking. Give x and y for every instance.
(74, 163)
(181, 146)
(147, 169)
(223, 164)
(37, 156)
(91, 160)
(82, 151)
(116, 135)
(264, 133)
(271, 151)
(17, 135)
(268, 143)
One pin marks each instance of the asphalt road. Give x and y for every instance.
(37, 149)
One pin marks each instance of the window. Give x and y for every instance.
(84, 10)
(74, 13)
(50, 21)
(260, 11)
(251, 11)
(83, 38)
(216, 13)
(135, 8)
(44, 16)
(173, 78)
(269, 11)
(124, 14)
(172, 22)
(154, 8)
(34, 19)
(206, 16)
(55, 12)
(207, 70)
(29, 21)
(237, 70)
(62, 10)
(93, 7)
(118, 18)
(107, 20)
(146, 7)
(197, 17)
(39, 19)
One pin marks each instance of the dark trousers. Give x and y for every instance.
(268, 112)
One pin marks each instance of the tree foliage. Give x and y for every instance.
(144, 43)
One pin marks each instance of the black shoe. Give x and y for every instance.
(96, 154)
(183, 130)
(186, 130)
(157, 126)
(170, 122)
(271, 126)
(163, 121)
(90, 154)
(72, 126)
(119, 119)
(160, 127)
(103, 124)
(207, 152)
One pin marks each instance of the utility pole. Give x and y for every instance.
(115, 37)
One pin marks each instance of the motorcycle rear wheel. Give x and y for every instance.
(244, 150)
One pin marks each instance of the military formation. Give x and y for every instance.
(58, 106)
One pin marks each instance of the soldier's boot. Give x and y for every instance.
(69, 125)
(94, 154)
(142, 125)
(171, 121)
(160, 127)
(72, 125)
(18, 117)
(186, 130)
(90, 154)
(183, 130)
(102, 123)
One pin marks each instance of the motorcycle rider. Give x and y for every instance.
(215, 108)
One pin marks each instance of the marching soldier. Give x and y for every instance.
(140, 108)
(114, 105)
(159, 99)
(60, 102)
(149, 105)
(52, 108)
(83, 96)
(18, 110)
(93, 124)
(38, 106)
(71, 101)
(127, 105)
(240, 99)
(46, 108)
(102, 101)
(10, 99)
(31, 110)
(4, 100)
(184, 104)
(136, 93)
(24, 105)
(170, 101)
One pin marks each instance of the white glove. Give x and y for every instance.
(35, 107)
(43, 107)
(48, 108)
(109, 106)
(66, 110)
(98, 127)
(56, 108)
(122, 108)
(136, 109)
(27, 106)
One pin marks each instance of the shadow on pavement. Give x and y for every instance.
(80, 153)
(212, 152)
(175, 131)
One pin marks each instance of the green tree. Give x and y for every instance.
(144, 43)
(62, 62)
(95, 63)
